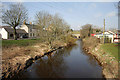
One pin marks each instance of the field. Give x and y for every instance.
(25, 42)
(111, 48)
(76, 32)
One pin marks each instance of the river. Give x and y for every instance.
(70, 62)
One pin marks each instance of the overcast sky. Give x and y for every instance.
(76, 14)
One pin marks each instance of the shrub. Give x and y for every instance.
(68, 39)
(91, 42)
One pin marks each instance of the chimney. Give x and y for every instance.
(30, 22)
(24, 22)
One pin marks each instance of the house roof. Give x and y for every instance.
(118, 31)
(21, 31)
(111, 32)
(115, 32)
(11, 30)
(5, 27)
(104, 34)
(32, 26)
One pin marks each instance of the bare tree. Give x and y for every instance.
(50, 27)
(86, 30)
(117, 5)
(14, 16)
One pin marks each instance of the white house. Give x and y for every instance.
(7, 32)
(107, 34)
(114, 36)
(117, 36)
(30, 29)
(4, 33)
(25, 31)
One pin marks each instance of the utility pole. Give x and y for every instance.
(104, 32)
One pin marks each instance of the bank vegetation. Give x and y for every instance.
(106, 54)
(52, 33)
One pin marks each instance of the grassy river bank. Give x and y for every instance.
(20, 54)
(17, 55)
(106, 54)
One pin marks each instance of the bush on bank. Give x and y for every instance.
(90, 42)
(109, 48)
(29, 42)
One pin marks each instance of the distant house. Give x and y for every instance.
(7, 32)
(30, 29)
(117, 36)
(106, 35)
(114, 37)
(25, 31)
(97, 31)
(93, 34)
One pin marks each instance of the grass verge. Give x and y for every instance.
(25, 42)
(112, 49)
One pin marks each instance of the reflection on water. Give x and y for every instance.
(70, 62)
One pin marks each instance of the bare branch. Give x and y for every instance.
(15, 15)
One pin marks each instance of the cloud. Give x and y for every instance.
(70, 10)
(4, 6)
(98, 15)
(60, 0)
(13, 1)
(93, 5)
(111, 14)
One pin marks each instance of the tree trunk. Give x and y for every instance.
(15, 34)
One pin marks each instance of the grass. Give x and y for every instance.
(90, 42)
(76, 32)
(25, 42)
(111, 49)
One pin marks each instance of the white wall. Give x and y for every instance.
(24, 27)
(110, 36)
(4, 33)
(106, 33)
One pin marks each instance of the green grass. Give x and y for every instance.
(25, 42)
(76, 32)
(111, 49)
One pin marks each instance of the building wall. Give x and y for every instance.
(25, 28)
(111, 36)
(31, 32)
(4, 33)
(76, 35)
(34, 32)
(9, 36)
(107, 35)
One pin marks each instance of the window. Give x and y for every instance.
(33, 34)
(30, 34)
(11, 35)
(30, 30)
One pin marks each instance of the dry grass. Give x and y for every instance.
(104, 53)
(9, 53)
(90, 42)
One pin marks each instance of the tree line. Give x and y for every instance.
(49, 27)
(17, 14)
(89, 29)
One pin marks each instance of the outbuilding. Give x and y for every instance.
(7, 32)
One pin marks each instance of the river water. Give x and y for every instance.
(70, 62)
